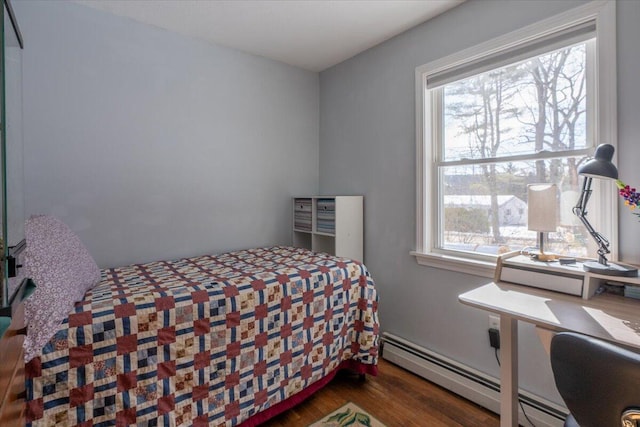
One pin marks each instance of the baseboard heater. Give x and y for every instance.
(467, 382)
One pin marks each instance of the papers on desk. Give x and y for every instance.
(632, 291)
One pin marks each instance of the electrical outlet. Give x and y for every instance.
(494, 322)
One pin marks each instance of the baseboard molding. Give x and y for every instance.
(467, 382)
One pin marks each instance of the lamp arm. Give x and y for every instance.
(580, 210)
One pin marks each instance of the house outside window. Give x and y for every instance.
(525, 108)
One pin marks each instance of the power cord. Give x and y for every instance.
(519, 401)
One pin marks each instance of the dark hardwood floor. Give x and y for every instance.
(396, 397)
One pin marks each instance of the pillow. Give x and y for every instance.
(63, 271)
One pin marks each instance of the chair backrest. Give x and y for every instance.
(597, 380)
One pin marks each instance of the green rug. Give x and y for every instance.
(350, 415)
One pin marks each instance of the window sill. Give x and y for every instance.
(461, 265)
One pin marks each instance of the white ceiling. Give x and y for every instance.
(310, 34)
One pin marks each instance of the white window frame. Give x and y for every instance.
(602, 215)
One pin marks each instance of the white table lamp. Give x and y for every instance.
(542, 201)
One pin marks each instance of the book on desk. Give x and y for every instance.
(568, 278)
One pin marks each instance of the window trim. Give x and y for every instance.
(605, 127)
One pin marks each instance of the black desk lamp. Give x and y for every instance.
(599, 167)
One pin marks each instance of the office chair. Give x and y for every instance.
(598, 381)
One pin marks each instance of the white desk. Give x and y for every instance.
(608, 317)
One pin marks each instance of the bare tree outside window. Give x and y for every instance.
(497, 127)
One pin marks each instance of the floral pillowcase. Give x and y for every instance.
(62, 270)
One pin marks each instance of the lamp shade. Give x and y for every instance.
(542, 207)
(600, 166)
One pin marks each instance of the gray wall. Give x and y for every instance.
(628, 17)
(151, 145)
(367, 146)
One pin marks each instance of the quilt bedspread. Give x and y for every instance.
(210, 340)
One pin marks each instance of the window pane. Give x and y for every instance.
(538, 104)
(485, 210)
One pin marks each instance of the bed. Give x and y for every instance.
(223, 340)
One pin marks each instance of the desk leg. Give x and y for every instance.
(508, 371)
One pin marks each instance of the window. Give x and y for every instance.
(525, 108)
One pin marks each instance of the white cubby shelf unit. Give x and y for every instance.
(331, 224)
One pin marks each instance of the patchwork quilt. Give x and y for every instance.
(210, 340)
